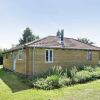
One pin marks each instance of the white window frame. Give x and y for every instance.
(49, 56)
(88, 56)
(20, 52)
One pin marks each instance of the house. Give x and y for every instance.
(40, 55)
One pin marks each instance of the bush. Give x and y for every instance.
(58, 77)
(82, 76)
(40, 83)
(97, 69)
(73, 73)
(56, 70)
(89, 68)
(96, 74)
(64, 81)
(53, 81)
(80, 67)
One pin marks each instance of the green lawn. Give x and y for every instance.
(12, 88)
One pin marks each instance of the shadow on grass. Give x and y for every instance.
(13, 81)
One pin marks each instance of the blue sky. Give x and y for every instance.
(78, 18)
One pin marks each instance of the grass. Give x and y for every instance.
(12, 88)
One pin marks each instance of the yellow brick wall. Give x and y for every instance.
(30, 59)
(65, 58)
(20, 64)
(7, 63)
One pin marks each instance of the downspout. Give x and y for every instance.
(25, 58)
(33, 59)
(99, 58)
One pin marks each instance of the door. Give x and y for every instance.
(14, 61)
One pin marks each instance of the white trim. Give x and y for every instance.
(88, 55)
(49, 56)
(14, 60)
(22, 54)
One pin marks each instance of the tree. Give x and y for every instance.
(85, 40)
(27, 36)
(1, 57)
(58, 33)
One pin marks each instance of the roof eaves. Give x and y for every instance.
(39, 46)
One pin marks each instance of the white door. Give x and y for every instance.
(14, 62)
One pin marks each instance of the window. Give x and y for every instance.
(48, 55)
(20, 55)
(6, 56)
(89, 55)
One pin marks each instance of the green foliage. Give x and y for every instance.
(96, 73)
(40, 83)
(27, 36)
(58, 77)
(89, 68)
(53, 81)
(58, 33)
(82, 76)
(97, 69)
(14, 89)
(80, 67)
(1, 56)
(73, 73)
(56, 70)
(85, 40)
(63, 81)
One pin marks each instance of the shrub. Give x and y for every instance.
(96, 74)
(89, 68)
(97, 69)
(53, 81)
(82, 76)
(73, 73)
(64, 81)
(56, 70)
(58, 77)
(80, 67)
(40, 83)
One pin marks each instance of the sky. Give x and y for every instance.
(78, 18)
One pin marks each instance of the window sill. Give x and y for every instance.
(20, 59)
(49, 62)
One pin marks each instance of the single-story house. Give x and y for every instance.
(40, 55)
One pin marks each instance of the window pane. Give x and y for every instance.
(50, 55)
(46, 55)
(89, 55)
(20, 54)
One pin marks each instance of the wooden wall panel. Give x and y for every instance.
(64, 58)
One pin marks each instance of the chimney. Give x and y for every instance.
(62, 37)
